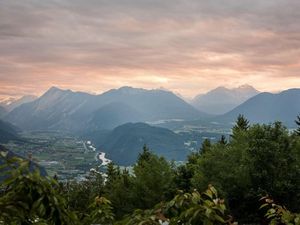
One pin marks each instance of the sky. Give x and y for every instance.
(186, 46)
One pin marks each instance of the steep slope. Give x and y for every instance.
(152, 104)
(14, 103)
(267, 107)
(124, 143)
(76, 111)
(222, 100)
(7, 132)
(2, 111)
(112, 115)
(54, 110)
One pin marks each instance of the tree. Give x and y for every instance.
(80, 194)
(223, 140)
(32, 199)
(112, 174)
(190, 208)
(145, 156)
(120, 192)
(297, 121)
(184, 173)
(241, 125)
(205, 146)
(262, 159)
(153, 179)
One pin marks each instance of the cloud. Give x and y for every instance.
(188, 46)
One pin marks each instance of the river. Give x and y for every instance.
(100, 156)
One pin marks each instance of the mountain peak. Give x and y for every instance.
(221, 99)
(220, 88)
(246, 87)
(55, 90)
(125, 90)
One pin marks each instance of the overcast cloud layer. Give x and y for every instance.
(187, 46)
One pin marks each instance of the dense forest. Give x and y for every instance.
(252, 178)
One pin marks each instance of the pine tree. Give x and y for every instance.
(223, 140)
(153, 178)
(297, 121)
(242, 124)
(113, 173)
(206, 144)
(144, 156)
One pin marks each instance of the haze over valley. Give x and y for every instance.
(153, 112)
(121, 121)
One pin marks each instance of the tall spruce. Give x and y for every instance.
(241, 125)
(297, 121)
(205, 146)
(223, 140)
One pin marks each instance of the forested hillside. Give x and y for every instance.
(258, 165)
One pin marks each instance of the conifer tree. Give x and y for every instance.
(242, 124)
(297, 121)
(144, 156)
(223, 140)
(206, 144)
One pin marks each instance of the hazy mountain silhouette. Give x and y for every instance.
(267, 107)
(221, 100)
(73, 111)
(7, 132)
(14, 103)
(3, 111)
(53, 110)
(125, 142)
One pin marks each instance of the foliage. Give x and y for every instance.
(100, 212)
(119, 189)
(185, 208)
(153, 180)
(31, 199)
(242, 124)
(81, 194)
(277, 214)
(297, 121)
(258, 160)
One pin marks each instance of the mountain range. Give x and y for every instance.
(65, 110)
(117, 121)
(76, 111)
(267, 107)
(11, 103)
(221, 100)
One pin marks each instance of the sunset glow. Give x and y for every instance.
(188, 47)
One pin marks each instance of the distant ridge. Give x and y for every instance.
(7, 132)
(221, 100)
(125, 142)
(66, 110)
(266, 108)
(12, 103)
(3, 111)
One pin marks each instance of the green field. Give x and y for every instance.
(60, 154)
